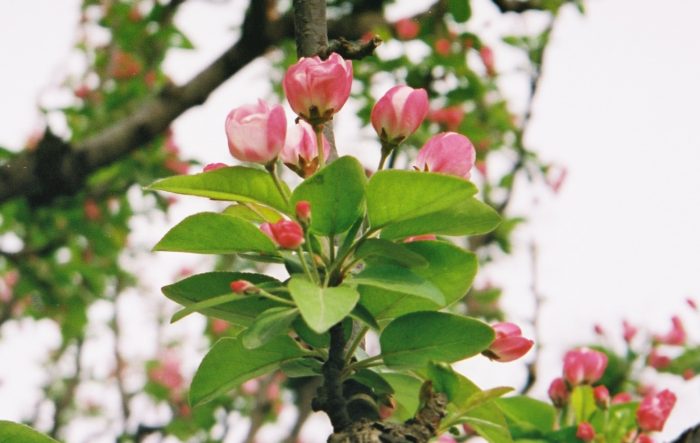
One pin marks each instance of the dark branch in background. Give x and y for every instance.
(518, 5)
(352, 50)
(55, 168)
(310, 27)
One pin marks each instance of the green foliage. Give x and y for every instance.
(15, 433)
(399, 196)
(440, 337)
(527, 416)
(321, 308)
(241, 310)
(229, 364)
(337, 196)
(211, 233)
(238, 183)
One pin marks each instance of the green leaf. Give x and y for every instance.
(398, 279)
(583, 403)
(229, 364)
(689, 359)
(336, 194)
(373, 380)
(361, 313)
(460, 9)
(382, 250)
(413, 340)
(469, 404)
(394, 196)
(211, 233)
(268, 325)
(236, 183)
(467, 217)
(18, 433)
(202, 287)
(253, 212)
(204, 304)
(406, 393)
(302, 367)
(450, 268)
(321, 308)
(528, 413)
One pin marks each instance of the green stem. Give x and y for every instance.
(366, 363)
(318, 129)
(273, 173)
(355, 343)
(308, 273)
(269, 296)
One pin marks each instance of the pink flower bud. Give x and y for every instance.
(450, 117)
(643, 438)
(256, 133)
(676, 336)
(407, 29)
(300, 152)
(487, 59)
(214, 166)
(447, 153)
(558, 392)
(399, 113)
(241, 286)
(601, 396)
(622, 397)
(657, 360)
(303, 210)
(219, 326)
(585, 432)
(598, 329)
(693, 305)
(316, 89)
(287, 234)
(423, 237)
(628, 331)
(584, 366)
(688, 374)
(654, 410)
(509, 344)
(443, 47)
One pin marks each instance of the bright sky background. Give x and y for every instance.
(618, 107)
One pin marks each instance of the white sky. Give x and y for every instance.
(618, 107)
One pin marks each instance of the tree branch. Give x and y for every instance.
(518, 5)
(57, 168)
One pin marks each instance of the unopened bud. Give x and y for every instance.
(303, 211)
(242, 286)
(602, 397)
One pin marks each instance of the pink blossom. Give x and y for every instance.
(450, 117)
(447, 153)
(654, 410)
(443, 46)
(214, 167)
(486, 54)
(628, 331)
(167, 372)
(241, 286)
(657, 360)
(585, 432)
(691, 302)
(622, 397)
(256, 133)
(399, 113)
(303, 210)
(558, 392)
(601, 396)
(300, 151)
(644, 438)
(509, 343)
(316, 89)
(287, 234)
(676, 336)
(584, 366)
(407, 29)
